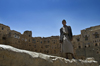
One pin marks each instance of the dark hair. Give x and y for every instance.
(63, 20)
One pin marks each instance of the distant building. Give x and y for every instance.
(47, 45)
(87, 44)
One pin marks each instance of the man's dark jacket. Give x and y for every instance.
(69, 33)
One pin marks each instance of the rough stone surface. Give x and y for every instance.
(10, 56)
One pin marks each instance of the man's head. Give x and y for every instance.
(64, 22)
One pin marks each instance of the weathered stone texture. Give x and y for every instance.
(10, 56)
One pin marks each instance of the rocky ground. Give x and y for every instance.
(10, 56)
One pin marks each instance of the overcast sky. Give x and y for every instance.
(44, 17)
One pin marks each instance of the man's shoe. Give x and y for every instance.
(73, 58)
(66, 58)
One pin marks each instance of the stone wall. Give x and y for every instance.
(48, 45)
(87, 44)
(10, 56)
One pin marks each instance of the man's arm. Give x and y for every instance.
(61, 35)
(70, 31)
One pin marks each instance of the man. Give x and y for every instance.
(65, 39)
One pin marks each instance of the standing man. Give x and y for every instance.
(65, 39)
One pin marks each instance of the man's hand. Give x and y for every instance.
(61, 41)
